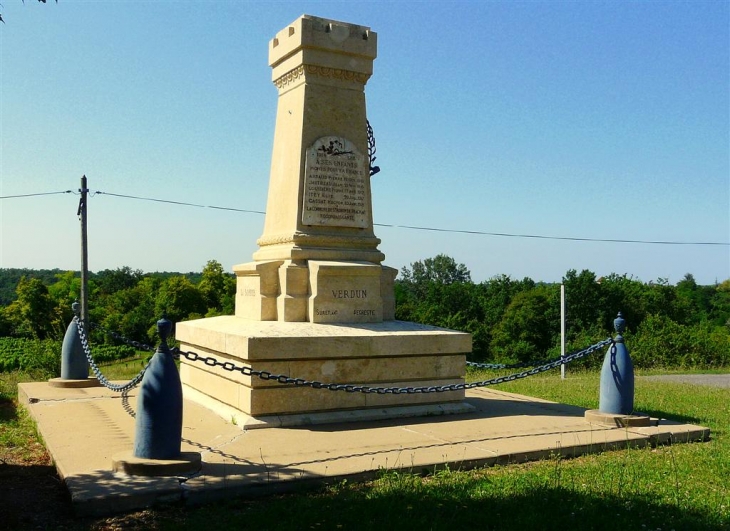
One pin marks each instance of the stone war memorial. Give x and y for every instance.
(316, 302)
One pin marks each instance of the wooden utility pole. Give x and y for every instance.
(562, 330)
(82, 213)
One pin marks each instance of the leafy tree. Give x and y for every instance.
(582, 293)
(32, 312)
(6, 326)
(9, 278)
(110, 281)
(179, 299)
(720, 305)
(441, 268)
(622, 293)
(63, 293)
(423, 275)
(529, 326)
(130, 312)
(496, 294)
(693, 301)
(218, 289)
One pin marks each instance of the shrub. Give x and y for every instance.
(45, 355)
(661, 342)
(30, 355)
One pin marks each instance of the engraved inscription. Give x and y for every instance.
(335, 191)
(248, 292)
(349, 293)
(363, 312)
(325, 312)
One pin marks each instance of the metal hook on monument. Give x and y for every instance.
(371, 150)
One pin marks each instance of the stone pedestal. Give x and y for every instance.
(316, 302)
(387, 354)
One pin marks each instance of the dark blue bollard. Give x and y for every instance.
(160, 405)
(617, 376)
(74, 365)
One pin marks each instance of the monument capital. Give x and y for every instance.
(322, 50)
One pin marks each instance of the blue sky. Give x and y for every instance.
(606, 120)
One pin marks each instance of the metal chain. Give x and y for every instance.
(372, 150)
(512, 365)
(97, 372)
(120, 337)
(211, 361)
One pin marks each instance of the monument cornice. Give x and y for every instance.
(319, 240)
(305, 70)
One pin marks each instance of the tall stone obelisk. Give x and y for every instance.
(316, 303)
(318, 259)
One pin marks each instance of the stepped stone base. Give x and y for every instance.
(595, 416)
(188, 463)
(388, 354)
(71, 383)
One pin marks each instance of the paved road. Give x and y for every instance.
(714, 380)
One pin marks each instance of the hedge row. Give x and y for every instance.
(660, 343)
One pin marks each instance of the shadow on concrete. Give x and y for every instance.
(683, 419)
(484, 408)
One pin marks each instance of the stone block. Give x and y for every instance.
(388, 354)
(257, 289)
(345, 292)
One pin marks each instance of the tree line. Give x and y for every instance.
(123, 300)
(510, 320)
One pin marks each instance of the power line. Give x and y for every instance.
(409, 227)
(178, 202)
(453, 231)
(542, 237)
(35, 195)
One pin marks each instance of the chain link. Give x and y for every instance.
(120, 337)
(211, 361)
(497, 366)
(97, 372)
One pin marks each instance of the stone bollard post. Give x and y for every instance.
(617, 376)
(159, 404)
(616, 401)
(74, 365)
(158, 429)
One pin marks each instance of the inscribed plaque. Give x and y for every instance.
(335, 192)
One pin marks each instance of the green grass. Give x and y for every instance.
(19, 440)
(682, 486)
(125, 369)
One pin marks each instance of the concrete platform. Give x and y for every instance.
(83, 428)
